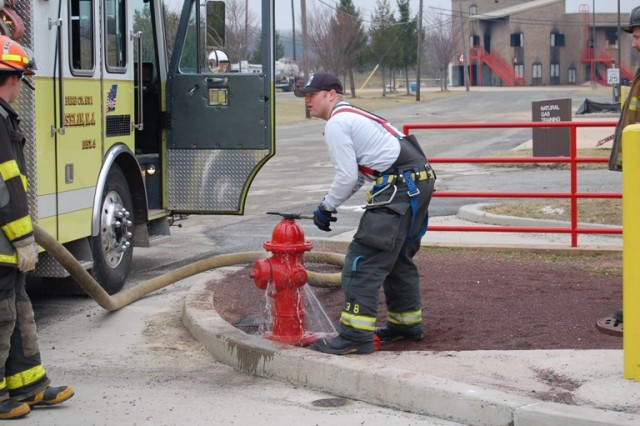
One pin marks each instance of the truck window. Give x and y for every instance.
(189, 56)
(81, 37)
(115, 35)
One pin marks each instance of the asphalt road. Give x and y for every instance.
(139, 366)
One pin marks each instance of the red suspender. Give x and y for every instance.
(385, 123)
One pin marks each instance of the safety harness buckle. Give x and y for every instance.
(370, 199)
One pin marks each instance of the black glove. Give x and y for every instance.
(322, 218)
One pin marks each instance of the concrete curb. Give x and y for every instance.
(371, 378)
(474, 213)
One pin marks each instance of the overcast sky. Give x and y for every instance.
(367, 7)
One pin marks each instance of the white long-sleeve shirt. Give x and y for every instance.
(353, 140)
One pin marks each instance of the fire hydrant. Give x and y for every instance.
(285, 270)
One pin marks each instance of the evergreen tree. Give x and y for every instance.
(256, 58)
(407, 38)
(383, 40)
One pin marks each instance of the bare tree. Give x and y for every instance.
(322, 42)
(336, 40)
(440, 42)
(240, 31)
(351, 37)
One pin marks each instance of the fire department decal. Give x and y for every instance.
(81, 118)
(111, 98)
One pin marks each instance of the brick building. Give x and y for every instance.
(535, 43)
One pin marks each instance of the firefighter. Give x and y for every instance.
(218, 61)
(24, 380)
(363, 146)
(630, 114)
(630, 110)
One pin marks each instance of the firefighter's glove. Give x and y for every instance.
(322, 218)
(27, 252)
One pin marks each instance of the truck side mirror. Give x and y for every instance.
(215, 23)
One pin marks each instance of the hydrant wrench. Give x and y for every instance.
(298, 216)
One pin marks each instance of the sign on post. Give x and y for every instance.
(551, 141)
(613, 76)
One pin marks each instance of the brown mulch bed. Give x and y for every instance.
(475, 299)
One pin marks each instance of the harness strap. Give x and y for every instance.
(428, 173)
(382, 121)
(412, 191)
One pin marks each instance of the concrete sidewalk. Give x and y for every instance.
(470, 387)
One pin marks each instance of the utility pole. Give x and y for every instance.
(305, 64)
(293, 24)
(303, 18)
(593, 55)
(464, 49)
(246, 26)
(616, 87)
(419, 55)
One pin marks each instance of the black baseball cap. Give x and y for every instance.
(318, 82)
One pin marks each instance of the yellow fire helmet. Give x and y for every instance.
(14, 57)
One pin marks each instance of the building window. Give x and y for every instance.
(555, 70)
(517, 40)
(557, 39)
(115, 35)
(518, 70)
(473, 10)
(571, 75)
(81, 37)
(611, 39)
(536, 71)
(474, 40)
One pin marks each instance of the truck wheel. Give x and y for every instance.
(111, 248)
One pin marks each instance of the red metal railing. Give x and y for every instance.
(572, 195)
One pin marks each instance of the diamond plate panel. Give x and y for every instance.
(25, 106)
(209, 180)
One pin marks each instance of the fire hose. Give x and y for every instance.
(125, 297)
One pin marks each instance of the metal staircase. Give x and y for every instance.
(497, 64)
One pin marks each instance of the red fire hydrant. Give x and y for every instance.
(285, 270)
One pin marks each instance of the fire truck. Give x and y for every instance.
(131, 125)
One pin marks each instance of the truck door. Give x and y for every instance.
(220, 126)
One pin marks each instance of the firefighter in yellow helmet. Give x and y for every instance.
(24, 379)
(218, 61)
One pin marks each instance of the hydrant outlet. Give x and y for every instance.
(261, 273)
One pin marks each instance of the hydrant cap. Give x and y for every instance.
(288, 236)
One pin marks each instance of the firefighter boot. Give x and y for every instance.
(10, 409)
(392, 332)
(48, 396)
(342, 346)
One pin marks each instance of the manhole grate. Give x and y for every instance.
(330, 402)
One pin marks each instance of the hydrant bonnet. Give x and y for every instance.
(287, 236)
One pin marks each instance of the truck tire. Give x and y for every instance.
(112, 248)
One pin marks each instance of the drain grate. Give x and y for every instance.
(330, 402)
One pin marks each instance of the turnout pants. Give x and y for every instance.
(20, 365)
(381, 254)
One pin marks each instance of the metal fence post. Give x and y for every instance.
(631, 251)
